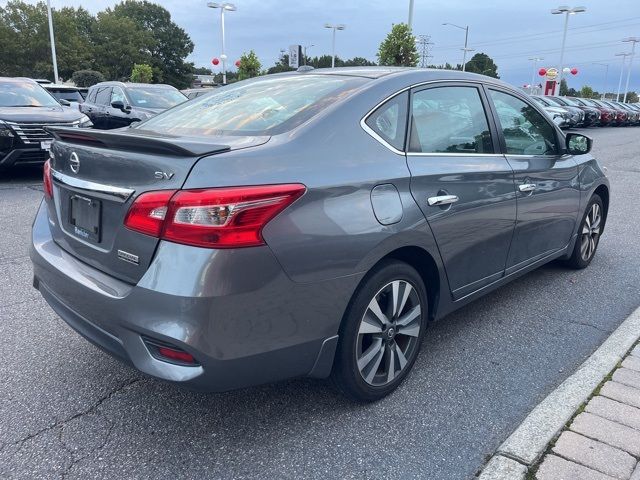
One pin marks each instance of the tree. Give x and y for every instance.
(483, 64)
(202, 71)
(359, 62)
(586, 92)
(399, 48)
(167, 45)
(141, 73)
(87, 78)
(249, 65)
(282, 65)
(632, 97)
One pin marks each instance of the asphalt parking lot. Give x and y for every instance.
(69, 410)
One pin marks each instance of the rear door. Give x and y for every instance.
(100, 106)
(463, 186)
(547, 184)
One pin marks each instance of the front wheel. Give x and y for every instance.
(381, 334)
(588, 234)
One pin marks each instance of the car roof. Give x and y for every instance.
(113, 83)
(55, 86)
(412, 74)
(18, 80)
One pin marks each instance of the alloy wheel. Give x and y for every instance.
(389, 332)
(590, 232)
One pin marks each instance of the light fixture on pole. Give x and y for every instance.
(466, 40)
(624, 60)
(606, 75)
(339, 26)
(228, 7)
(566, 11)
(633, 41)
(535, 61)
(53, 43)
(305, 52)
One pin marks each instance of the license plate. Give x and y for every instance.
(84, 217)
(45, 145)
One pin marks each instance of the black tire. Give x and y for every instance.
(581, 256)
(395, 348)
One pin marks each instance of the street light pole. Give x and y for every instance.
(566, 11)
(606, 75)
(53, 43)
(535, 61)
(230, 7)
(305, 53)
(466, 41)
(410, 20)
(624, 60)
(633, 41)
(339, 26)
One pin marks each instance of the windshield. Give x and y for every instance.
(151, 97)
(14, 94)
(262, 106)
(69, 95)
(569, 102)
(553, 102)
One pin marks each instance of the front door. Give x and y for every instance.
(464, 188)
(546, 180)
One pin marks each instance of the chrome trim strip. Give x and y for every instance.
(451, 154)
(121, 194)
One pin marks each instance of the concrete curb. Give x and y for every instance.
(529, 441)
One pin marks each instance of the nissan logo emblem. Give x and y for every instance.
(74, 162)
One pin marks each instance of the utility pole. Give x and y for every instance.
(535, 61)
(566, 11)
(410, 20)
(424, 44)
(633, 41)
(624, 60)
(53, 43)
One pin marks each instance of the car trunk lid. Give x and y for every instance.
(96, 177)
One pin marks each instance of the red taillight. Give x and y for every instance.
(46, 180)
(148, 212)
(215, 218)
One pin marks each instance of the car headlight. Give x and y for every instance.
(83, 122)
(5, 131)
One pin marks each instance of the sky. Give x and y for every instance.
(509, 31)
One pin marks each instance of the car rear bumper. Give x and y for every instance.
(235, 311)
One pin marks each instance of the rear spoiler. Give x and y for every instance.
(137, 141)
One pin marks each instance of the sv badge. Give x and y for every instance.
(163, 175)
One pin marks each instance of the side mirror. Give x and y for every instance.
(578, 144)
(119, 104)
(64, 103)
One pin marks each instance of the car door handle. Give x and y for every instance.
(442, 200)
(527, 187)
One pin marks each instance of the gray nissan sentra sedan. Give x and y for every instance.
(308, 223)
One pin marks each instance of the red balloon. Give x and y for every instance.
(215, 61)
(542, 72)
(574, 71)
(238, 63)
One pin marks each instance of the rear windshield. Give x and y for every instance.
(155, 97)
(262, 106)
(15, 94)
(69, 95)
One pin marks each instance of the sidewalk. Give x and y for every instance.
(586, 429)
(603, 441)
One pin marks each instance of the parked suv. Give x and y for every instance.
(65, 94)
(25, 110)
(117, 104)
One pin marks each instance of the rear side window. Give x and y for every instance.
(525, 130)
(261, 106)
(103, 96)
(449, 120)
(389, 120)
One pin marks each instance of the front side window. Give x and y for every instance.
(525, 130)
(117, 95)
(262, 106)
(103, 96)
(449, 120)
(389, 120)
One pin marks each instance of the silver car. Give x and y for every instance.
(308, 223)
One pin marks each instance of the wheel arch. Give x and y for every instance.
(603, 192)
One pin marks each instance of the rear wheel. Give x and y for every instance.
(381, 333)
(588, 234)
